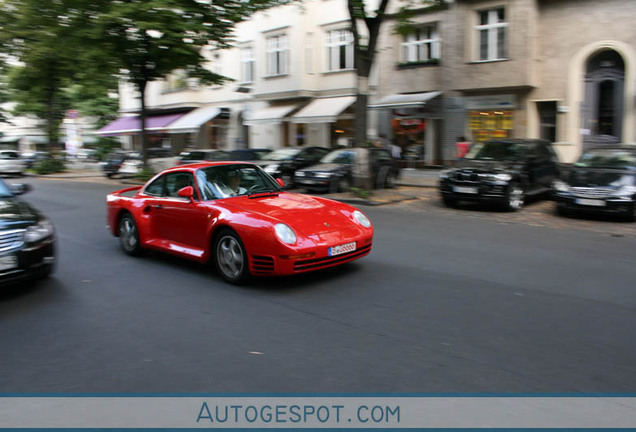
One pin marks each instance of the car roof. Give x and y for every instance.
(198, 165)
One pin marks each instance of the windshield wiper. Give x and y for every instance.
(263, 193)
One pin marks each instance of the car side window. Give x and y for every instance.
(175, 182)
(156, 187)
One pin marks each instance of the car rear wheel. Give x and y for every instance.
(129, 235)
(230, 257)
(631, 216)
(514, 197)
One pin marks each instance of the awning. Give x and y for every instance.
(324, 110)
(132, 124)
(9, 139)
(413, 100)
(270, 115)
(192, 121)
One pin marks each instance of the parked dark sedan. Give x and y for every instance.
(249, 154)
(27, 238)
(115, 160)
(208, 155)
(602, 180)
(284, 162)
(504, 171)
(334, 172)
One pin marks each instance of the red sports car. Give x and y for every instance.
(239, 217)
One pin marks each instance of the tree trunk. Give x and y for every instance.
(142, 117)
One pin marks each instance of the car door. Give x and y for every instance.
(180, 222)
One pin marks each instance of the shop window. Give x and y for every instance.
(485, 125)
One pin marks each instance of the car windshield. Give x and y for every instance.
(193, 155)
(224, 181)
(282, 154)
(338, 157)
(612, 159)
(495, 151)
(5, 191)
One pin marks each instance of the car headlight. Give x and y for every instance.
(361, 219)
(271, 168)
(39, 232)
(560, 186)
(444, 174)
(285, 233)
(323, 175)
(625, 191)
(502, 177)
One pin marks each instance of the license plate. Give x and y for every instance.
(8, 262)
(466, 190)
(340, 249)
(590, 202)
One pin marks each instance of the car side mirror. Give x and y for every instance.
(19, 189)
(280, 182)
(186, 192)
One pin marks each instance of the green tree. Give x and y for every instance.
(44, 52)
(148, 40)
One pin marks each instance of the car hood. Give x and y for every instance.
(306, 214)
(589, 177)
(324, 167)
(486, 165)
(15, 213)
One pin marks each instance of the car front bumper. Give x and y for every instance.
(33, 261)
(473, 191)
(586, 205)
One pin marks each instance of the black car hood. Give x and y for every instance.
(324, 167)
(15, 213)
(590, 177)
(487, 166)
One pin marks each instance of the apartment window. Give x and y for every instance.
(277, 55)
(491, 34)
(340, 50)
(247, 65)
(422, 45)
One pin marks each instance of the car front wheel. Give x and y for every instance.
(514, 197)
(230, 257)
(129, 235)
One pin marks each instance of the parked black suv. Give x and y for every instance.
(504, 171)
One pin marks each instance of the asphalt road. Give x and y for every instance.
(449, 301)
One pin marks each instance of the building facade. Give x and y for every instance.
(563, 70)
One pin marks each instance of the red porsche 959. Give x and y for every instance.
(240, 218)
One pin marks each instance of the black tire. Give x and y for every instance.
(561, 210)
(515, 197)
(449, 201)
(129, 235)
(230, 257)
(109, 175)
(631, 216)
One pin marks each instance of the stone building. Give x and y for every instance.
(563, 70)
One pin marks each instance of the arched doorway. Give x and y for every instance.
(602, 110)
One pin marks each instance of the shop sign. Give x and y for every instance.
(491, 102)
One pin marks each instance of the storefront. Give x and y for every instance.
(490, 117)
(411, 122)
